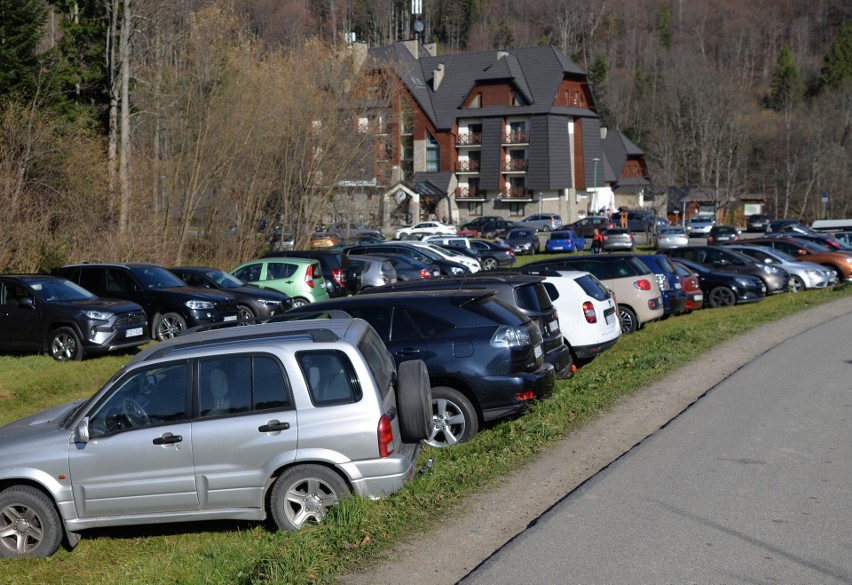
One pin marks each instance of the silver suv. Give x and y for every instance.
(275, 420)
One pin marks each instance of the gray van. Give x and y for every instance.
(543, 222)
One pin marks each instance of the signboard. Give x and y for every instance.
(824, 197)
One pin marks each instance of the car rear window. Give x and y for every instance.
(533, 297)
(666, 264)
(638, 266)
(378, 360)
(592, 287)
(496, 310)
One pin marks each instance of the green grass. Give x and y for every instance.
(358, 530)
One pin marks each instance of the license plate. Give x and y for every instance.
(610, 318)
(230, 318)
(133, 332)
(537, 351)
(698, 297)
(554, 326)
(557, 247)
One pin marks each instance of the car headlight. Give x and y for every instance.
(268, 302)
(849, 260)
(769, 269)
(457, 270)
(812, 272)
(744, 282)
(98, 315)
(198, 305)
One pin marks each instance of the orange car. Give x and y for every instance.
(840, 262)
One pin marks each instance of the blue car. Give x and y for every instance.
(564, 241)
(674, 298)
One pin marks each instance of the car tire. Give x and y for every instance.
(167, 326)
(414, 401)
(454, 419)
(64, 345)
(29, 524)
(489, 263)
(721, 296)
(627, 318)
(245, 315)
(300, 302)
(838, 272)
(303, 495)
(796, 284)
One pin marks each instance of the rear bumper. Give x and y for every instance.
(379, 477)
(561, 360)
(590, 351)
(498, 394)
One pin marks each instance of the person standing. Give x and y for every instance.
(623, 217)
(597, 242)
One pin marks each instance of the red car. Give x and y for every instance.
(689, 284)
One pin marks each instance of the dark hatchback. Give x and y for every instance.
(340, 275)
(53, 315)
(254, 303)
(411, 269)
(170, 304)
(725, 289)
(492, 255)
(484, 357)
(724, 259)
(521, 291)
(523, 241)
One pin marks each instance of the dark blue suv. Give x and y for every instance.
(674, 298)
(484, 357)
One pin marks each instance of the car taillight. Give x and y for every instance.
(309, 276)
(507, 336)
(338, 275)
(642, 284)
(589, 312)
(424, 273)
(509, 253)
(710, 239)
(663, 282)
(384, 433)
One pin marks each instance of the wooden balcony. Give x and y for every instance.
(467, 166)
(468, 194)
(515, 165)
(469, 139)
(517, 137)
(519, 194)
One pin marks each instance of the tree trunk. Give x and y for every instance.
(124, 152)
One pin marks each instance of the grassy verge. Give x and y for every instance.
(359, 530)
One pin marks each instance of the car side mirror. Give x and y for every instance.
(27, 303)
(81, 432)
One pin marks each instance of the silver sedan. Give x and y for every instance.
(671, 237)
(803, 275)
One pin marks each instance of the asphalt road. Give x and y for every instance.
(751, 484)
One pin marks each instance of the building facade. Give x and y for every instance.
(506, 133)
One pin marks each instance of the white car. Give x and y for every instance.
(699, 225)
(468, 261)
(424, 227)
(588, 314)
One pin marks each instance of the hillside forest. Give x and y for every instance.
(166, 131)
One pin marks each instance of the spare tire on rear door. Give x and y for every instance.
(414, 401)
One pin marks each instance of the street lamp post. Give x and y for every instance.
(594, 208)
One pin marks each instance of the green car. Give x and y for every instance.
(299, 278)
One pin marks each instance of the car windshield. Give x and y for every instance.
(672, 232)
(56, 291)
(519, 234)
(810, 246)
(223, 279)
(154, 277)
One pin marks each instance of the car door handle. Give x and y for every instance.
(273, 426)
(407, 351)
(168, 439)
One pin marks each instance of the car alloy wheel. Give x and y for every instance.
(304, 494)
(168, 326)
(29, 524)
(454, 419)
(722, 296)
(489, 264)
(64, 345)
(629, 322)
(796, 284)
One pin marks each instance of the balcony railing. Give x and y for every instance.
(516, 137)
(516, 193)
(469, 193)
(515, 164)
(467, 166)
(469, 139)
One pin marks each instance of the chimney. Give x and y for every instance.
(413, 48)
(437, 77)
(501, 54)
(603, 132)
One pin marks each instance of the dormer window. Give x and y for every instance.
(518, 99)
(476, 102)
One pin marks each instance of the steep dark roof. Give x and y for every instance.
(535, 72)
(430, 183)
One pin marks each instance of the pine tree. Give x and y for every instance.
(837, 65)
(786, 88)
(21, 24)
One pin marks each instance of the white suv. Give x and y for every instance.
(588, 315)
(279, 420)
